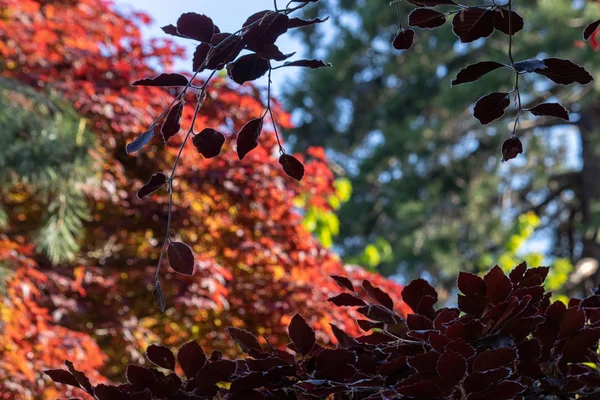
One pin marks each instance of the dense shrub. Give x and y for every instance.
(506, 340)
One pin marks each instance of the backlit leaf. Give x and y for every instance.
(181, 258)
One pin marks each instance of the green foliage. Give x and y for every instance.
(426, 176)
(46, 151)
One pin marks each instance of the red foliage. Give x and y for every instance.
(506, 340)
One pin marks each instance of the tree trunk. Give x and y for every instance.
(590, 192)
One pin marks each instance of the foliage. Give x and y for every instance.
(426, 177)
(255, 265)
(506, 340)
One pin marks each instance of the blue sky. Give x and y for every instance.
(229, 15)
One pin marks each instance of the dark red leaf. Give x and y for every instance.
(426, 18)
(451, 367)
(470, 284)
(140, 377)
(573, 321)
(472, 305)
(491, 107)
(497, 358)
(161, 356)
(421, 390)
(473, 23)
(335, 364)
(62, 376)
(497, 285)
(264, 27)
(171, 30)
(346, 300)
(479, 380)
(425, 363)
(517, 273)
(292, 166)
(163, 80)
(366, 325)
(502, 23)
(564, 72)
(209, 142)
(418, 322)
(378, 295)
(216, 371)
(404, 39)
(195, 26)
(474, 72)
(246, 340)
(247, 68)
(343, 282)
(191, 358)
(226, 47)
(312, 64)
(171, 125)
(590, 29)
(505, 390)
(156, 182)
(511, 148)
(83, 380)
(415, 291)
(247, 138)
(301, 335)
(300, 22)
(550, 110)
(271, 51)
(181, 258)
(344, 340)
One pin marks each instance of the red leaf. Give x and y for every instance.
(156, 182)
(346, 300)
(312, 64)
(292, 166)
(264, 27)
(171, 125)
(451, 367)
(497, 285)
(216, 371)
(161, 356)
(415, 291)
(209, 142)
(245, 339)
(404, 39)
(501, 21)
(470, 284)
(472, 305)
(479, 380)
(426, 18)
(181, 258)
(550, 110)
(491, 107)
(474, 72)
(473, 23)
(83, 380)
(573, 321)
(140, 377)
(62, 376)
(300, 22)
(505, 390)
(418, 322)
(247, 138)
(378, 295)
(564, 72)
(497, 358)
(590, 29)
(195, 26)
(301, 335)
(191, 358)
(163, 80)
(247, 68)
(139, 141)
(511, 148)
(518, 272)
(343, 282)
(344, 340)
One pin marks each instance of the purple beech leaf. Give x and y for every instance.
(181, 258)
(156, 182)
(292, 166)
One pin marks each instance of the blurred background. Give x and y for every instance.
(401, 181)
